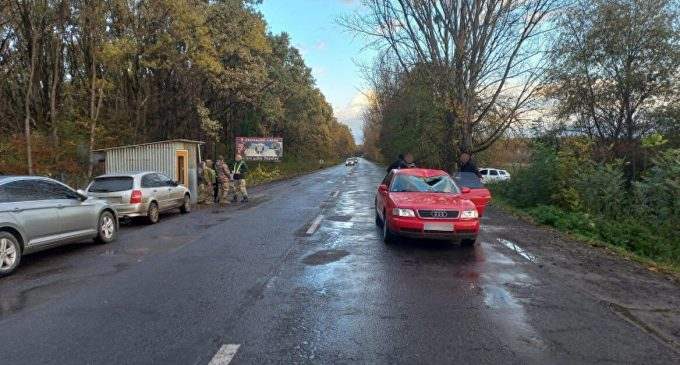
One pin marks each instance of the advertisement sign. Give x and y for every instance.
(260, 148)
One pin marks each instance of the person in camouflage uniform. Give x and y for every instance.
(223, 178)
(207, 181)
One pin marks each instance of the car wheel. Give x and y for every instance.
(107, 229)
(186, 205)
(388, 236)
(153, 215)
(10, 253)
(468, 242)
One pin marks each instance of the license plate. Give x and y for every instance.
(441, 227)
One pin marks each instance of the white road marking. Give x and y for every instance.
(520, 251)
(224, 355)
(335, 194)
(315, 224)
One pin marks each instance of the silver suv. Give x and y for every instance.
(38, 213)
(141, 194)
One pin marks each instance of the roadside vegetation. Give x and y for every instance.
(564, 187)
(81, 75)
(579, 100)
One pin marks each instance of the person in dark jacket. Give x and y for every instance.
(239, 169)
(400, 163)
(467, 165)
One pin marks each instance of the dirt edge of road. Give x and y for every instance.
(648, 299)
(651, 265)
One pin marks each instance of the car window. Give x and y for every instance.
(149, 181)
(164, 180)
(432, 184)
(21, 191)
(468, 179)
(54, 190)
(501, 172)
(493, 172)
(111, 184)
(33, 190)
(483, 172)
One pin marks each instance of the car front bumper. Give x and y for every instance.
(418, 228)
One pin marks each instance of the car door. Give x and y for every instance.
(152, 187)
(381, 197)
(78, 216)
(34, 210)
(175, 193)
(493, 175)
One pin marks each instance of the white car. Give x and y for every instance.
(491, 174)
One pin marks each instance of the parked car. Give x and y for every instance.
(141, 194)
(425, 203)
(37, 213)
(350, 162)
(491, 174)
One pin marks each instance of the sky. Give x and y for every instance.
(328, 49)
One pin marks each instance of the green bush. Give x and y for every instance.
(567, 190)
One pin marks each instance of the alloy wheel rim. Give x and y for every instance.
(107, 227)
(8, 253)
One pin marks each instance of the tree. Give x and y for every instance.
(613, 61)
(483, 58)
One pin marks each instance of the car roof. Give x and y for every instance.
(128, 174)
(420, 172)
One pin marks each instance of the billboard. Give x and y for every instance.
(260, 148)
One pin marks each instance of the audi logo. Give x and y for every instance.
(440, 214)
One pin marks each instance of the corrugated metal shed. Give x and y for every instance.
(167, 157)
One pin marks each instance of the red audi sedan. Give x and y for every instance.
(425, 203)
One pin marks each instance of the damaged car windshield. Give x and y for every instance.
(432, 184)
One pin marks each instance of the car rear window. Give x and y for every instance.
(111, 184)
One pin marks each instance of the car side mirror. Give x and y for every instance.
(82, 194)
(465, 190)
(382, 188)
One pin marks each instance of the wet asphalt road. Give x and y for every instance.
(252, 275)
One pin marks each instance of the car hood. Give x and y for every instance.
(430, 201)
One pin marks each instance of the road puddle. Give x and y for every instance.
(324, 257)
(520, 251)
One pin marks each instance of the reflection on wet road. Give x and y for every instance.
(302, 276)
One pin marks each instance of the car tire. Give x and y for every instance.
(388, 236)
(107, 229)
(153, 214)
(469, 242)
(10, 253)
(186, 205)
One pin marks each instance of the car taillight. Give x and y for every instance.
(136, 197)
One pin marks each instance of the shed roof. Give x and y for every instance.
(150, 143)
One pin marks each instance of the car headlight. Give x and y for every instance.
(468, 214)
(400, 212)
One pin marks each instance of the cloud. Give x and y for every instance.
(352, 114)
(320, 45)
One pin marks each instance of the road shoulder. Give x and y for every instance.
(646, 298)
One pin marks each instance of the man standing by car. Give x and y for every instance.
(400, 163)
(466, 165)
(240, 170)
